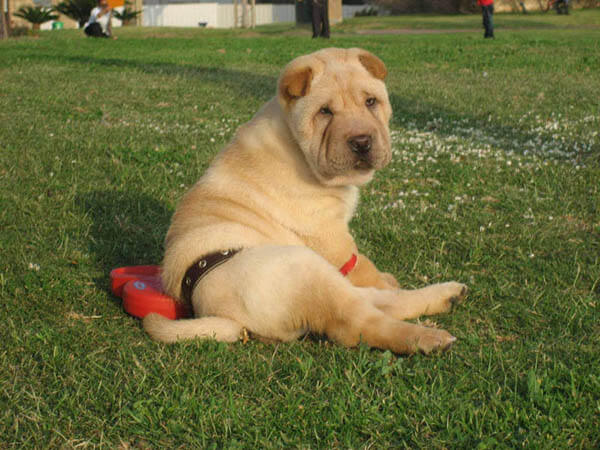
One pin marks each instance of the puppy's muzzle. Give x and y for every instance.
(361, 145)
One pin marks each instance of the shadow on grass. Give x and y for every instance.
(262, 87)
(128, 228)
(504, 134)
(247, 84)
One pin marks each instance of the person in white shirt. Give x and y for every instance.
(99, 23)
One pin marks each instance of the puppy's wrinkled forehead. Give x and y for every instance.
(335, 59)
(342, 73)
(332, 65)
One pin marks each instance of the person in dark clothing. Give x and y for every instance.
(562, 6)
(320, 18)
(487, 10)
(99, 23)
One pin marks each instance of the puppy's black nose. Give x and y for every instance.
(360, 144)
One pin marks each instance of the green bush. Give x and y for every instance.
(366, 12)
(127, 15)
(36, 15)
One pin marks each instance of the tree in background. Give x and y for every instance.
(3, 24)
(36, 15)
(78, 10)
(127, 15)
(248, 13)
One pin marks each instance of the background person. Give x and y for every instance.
(562, 6)
(320, 18)
(99, 23)
(487, 11)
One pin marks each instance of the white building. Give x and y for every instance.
(219, 13)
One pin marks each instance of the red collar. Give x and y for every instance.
(349, 265)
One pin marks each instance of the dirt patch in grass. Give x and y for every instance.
(415, 31)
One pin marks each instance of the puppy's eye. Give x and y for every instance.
(371, 101)
(326, 110)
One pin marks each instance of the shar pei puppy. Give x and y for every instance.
(261, 243)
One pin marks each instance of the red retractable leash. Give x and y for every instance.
(141, 290)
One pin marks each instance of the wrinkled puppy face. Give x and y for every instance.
(337, 107)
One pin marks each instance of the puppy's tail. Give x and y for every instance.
(166, 330)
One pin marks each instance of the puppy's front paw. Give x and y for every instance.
(460, 292)
(450, 294)
(432, 339)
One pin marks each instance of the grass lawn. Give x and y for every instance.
(495, 182)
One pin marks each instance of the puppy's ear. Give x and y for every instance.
(295, 83)
(373, 64)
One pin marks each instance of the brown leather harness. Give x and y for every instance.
(200, 269)
(204, 265)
